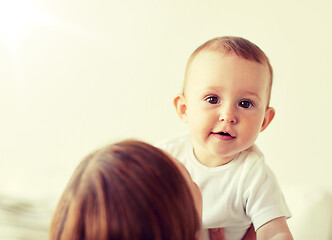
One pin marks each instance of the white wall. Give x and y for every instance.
(75, 75)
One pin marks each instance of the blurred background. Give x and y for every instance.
(76, 75)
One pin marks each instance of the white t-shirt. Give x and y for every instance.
(236, 194)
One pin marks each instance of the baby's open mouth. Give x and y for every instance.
(224, 134)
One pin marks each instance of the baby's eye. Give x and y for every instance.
(212, 100)
(246, 104)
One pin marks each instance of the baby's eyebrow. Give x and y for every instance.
(210, 90)
(254, 94)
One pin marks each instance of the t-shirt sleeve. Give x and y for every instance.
(263, 197)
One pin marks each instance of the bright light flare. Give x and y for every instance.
(17, 17)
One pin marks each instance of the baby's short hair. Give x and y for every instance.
(233, 45)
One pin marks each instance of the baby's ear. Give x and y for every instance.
(180, 106)
(269, 115)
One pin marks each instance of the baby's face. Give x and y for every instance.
(226, 101)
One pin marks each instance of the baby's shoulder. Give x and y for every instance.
(253, 157)
(176, 144)
(254, 153)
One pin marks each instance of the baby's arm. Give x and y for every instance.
(250, 234)
(276, 229)
(217, 234)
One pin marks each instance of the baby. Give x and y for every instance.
(225, 103)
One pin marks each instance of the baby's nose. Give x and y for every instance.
(228, 116)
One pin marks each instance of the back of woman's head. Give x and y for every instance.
(128, 190)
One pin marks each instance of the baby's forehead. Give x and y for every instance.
(213, 61)
(209, 65)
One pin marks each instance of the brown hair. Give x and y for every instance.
(233, 45)
(128, 190)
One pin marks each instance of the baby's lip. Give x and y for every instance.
(224, 133)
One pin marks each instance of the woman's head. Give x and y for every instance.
(128, 190)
